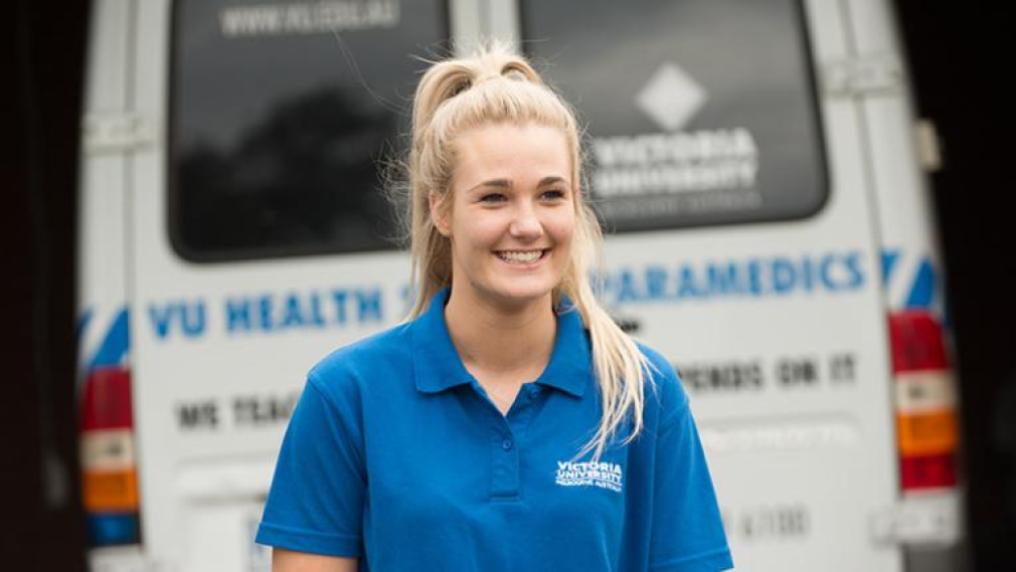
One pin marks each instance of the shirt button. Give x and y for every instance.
(506, 444)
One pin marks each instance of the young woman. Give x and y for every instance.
(511, 425)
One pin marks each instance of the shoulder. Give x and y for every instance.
(665, 397)
(377, 357)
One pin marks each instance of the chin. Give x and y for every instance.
(517, 294)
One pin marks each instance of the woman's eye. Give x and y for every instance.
(553, 194)
(492, 198)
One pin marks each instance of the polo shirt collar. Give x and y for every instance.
(437, 366)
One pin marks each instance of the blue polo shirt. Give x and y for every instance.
(395, 455)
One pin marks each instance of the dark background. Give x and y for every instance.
(42, 64)
(959, 56)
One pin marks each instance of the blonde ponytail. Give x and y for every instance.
(497, 86)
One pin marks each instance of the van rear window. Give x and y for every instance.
(699, 112)
(282, 114)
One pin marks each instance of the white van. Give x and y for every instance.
(754, 162)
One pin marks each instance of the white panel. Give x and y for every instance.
(873, 28)
(467, 25)
(220, 536)
(160, 519)
(106, 79)
(504, 21)
(101, 253)
(906, 215)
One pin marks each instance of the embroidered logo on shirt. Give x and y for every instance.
(603, 475)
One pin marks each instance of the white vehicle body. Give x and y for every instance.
(779, 327)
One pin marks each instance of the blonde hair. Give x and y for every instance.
(496, 86)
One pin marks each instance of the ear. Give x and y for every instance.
(439, 214)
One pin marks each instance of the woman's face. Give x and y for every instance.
(512, 213)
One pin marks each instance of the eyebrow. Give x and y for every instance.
(507, 184)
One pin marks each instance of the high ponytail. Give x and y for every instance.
(497, 86)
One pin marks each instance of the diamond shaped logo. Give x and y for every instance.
(671, 97)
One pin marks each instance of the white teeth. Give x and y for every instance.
(522, 256)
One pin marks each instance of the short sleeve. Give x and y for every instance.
(315, 503)
(687, 531)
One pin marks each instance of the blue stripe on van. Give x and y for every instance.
(889, 260)
(922, 290)
(83, 320)
(115, 343)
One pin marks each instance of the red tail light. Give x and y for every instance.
(920, 472)
(925, 401)
(917, 342)
(106, 400)
(109, 470)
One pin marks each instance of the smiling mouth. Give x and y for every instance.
(521, 256)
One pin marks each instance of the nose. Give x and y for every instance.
(525, 224)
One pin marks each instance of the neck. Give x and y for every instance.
(501, 339)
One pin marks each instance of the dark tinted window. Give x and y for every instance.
(698, 111)
(281, 114)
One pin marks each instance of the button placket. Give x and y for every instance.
(505, 434)
(504, 463)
